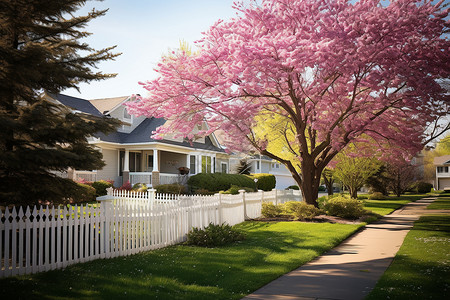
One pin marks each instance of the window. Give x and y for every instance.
(257, 165)
(206, 164)
(126, 115)
(442, 169)
(224, 168)
(192, 164)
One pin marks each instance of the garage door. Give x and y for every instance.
(444, 183)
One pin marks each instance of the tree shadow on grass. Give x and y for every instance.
(185, 272)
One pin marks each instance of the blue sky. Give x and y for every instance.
(143, 31)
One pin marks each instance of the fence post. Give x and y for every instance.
(107, 213)
(276, 197)
(242, 192)
(151, 196)
(220, 209)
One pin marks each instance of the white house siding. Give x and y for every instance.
(219, 162)
(110, 170)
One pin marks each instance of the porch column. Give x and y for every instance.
(155, 171)
(126, 167)
(199, 164)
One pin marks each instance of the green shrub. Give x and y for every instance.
(174, 188)
(301, 210)
(270, 210)
(81, 193)
(377, 196)
(100, 187)
(234, 190)
(321, 201)
(140, 187)
(344, 208)
(293, 187)
(216, 182)
(422, 187)
(266, 182)
(213, 236)
(322, 188)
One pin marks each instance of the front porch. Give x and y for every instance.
(146, 177)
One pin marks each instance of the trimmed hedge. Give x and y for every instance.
(266, 182)
(215, 182)
(101, 186)
(173, 188)
(344, 207)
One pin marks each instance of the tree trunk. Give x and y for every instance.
(328, 184)
(310, 183)
(354, 193)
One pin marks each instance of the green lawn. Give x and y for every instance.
(183, 272)
(421, 268)
(384, 207)
(440, 203)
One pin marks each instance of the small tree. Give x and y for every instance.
(402, 175)
(354, 171)
(328, 179)
(379, 181)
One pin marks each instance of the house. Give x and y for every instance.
(132, 155)
(264, 164)
(442, 164)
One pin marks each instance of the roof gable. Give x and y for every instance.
(108, 104)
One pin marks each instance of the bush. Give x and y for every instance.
(81, 193)
(293, 187)
(100, 187)
(234, 190)
(140, 187)
(422, 187)
(301, 210)
(174, 188)
(344, 208)
(213, 235)
(266, 182)
(270, 210)
(126, 186)
(215, 182)
(377, 196)
(322, 188)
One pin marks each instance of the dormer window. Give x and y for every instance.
(126, 115)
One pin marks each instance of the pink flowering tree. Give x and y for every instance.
(338, 72)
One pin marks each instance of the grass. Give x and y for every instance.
(421, 268)
(387, 206)
(185, 272)
(442, 202)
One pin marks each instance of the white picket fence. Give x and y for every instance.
(45, 238)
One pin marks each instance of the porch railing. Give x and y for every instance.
(165, 178)
(86, 175)
(141, 177)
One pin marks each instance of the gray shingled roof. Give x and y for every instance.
(77, 104)
(142, 134)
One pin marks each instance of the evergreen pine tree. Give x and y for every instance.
(41, 51)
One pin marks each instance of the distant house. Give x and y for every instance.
(264, 164)
(442, 164)
(132, 155)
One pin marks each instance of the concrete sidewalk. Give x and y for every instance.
(351, 270)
